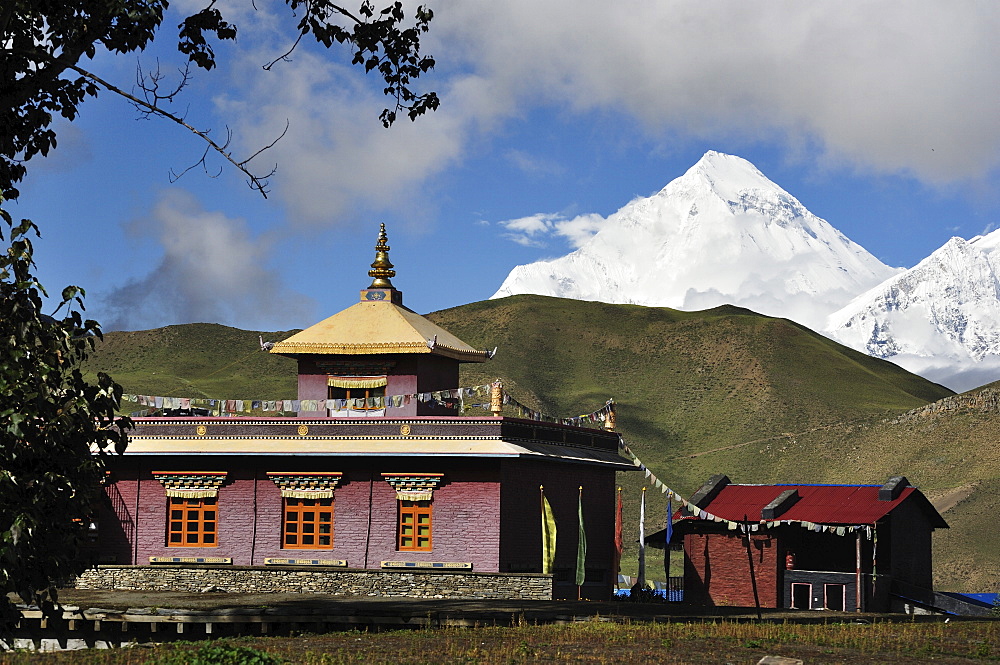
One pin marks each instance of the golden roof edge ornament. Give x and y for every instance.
(381, 271)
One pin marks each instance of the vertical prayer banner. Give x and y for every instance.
(670, 519)
(641, 582)
(670, 535)
(581, 544)
(619, 536)
(548, 535)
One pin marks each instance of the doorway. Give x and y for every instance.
(802, 596)
(835, 596)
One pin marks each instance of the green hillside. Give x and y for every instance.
(719, 391)
(685, 382)
(195, 360)
(724, 390)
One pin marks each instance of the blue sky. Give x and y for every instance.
(881, 117)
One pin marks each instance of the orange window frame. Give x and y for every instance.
(192, 522)
(416, 526)
(307, 524)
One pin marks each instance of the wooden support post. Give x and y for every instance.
(180, 629)
(208, 628)
(72, 624)
(858, 572)
(154, 627)
(753, 576)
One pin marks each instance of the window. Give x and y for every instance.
(334, 392)
(308, 524)
(192, 522)
(414, 525)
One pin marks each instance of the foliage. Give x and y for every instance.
(51, 418)
(219, 654)
(47, 41)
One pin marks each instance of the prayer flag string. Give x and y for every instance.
(732, 525)
(460, 398)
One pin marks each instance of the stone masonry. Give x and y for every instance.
(255, 579)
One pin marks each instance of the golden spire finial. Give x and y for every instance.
(381, 268)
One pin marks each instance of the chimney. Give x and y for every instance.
(892, 488)
(710, 490)
(779, 505)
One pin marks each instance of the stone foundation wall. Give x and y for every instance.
(255, 579)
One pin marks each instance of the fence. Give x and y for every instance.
(672, 589)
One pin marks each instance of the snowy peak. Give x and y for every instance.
(742, 188)
(721, 233)
(727, 176)
(724, 233)
(945, 310)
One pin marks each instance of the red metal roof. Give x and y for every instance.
(823, 504)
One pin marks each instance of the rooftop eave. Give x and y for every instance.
(388, 447)
(376, 348)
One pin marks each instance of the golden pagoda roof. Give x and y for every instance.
(378, 324)
(371, 327)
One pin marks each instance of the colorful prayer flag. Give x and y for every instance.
(548, 536)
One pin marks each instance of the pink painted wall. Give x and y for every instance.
(312, 386)
(410, 374)
(466, 515)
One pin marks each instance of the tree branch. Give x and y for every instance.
(254, 181)
(284, 56)
(149, 83)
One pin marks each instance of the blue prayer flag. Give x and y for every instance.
(670, 522)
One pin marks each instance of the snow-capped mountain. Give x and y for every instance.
(721, 233)
(939, 319)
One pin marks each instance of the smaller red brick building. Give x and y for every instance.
(838, 547)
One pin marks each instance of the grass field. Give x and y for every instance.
(590, 642)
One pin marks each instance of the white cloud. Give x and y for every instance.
(531, 231)
(896, 86)
(581, 228)
(336, 155)
(212, 270)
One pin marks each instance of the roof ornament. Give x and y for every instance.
(432, 342)
(265, 346)
(381, 270)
